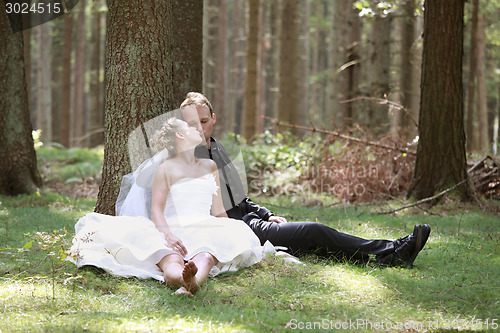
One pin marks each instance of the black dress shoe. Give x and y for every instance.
(405, 249)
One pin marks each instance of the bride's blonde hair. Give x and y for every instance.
(164, 138)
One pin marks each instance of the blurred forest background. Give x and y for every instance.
(350, 64)
(322, 97)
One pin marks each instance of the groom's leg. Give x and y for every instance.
(300, 237)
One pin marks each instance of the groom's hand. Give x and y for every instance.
(277, 219)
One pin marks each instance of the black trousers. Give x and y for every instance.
(311, 237)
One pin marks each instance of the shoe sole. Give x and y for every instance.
(426, 231)
(418, 246)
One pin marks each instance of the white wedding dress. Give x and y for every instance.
(132, 246)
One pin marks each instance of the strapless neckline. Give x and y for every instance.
(182, 180)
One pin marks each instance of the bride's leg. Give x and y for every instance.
(196, 270)
(172, 266)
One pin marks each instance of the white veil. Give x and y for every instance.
(135, 191)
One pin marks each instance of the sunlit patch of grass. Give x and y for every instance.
(354, 284)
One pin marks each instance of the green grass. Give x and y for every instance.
(454, 283)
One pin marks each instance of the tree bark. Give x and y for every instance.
(482, 109)
(79, 92)
(471, 83)
(18, 168)
(186, 40)
(250, 107)
(406, 80)
(143, 42)
(66, 81)
(441, 159)
(288, 103)
(380, 63)
(95, 120)
(56, 78)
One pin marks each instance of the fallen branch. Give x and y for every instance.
(383, 101)
(424, 200)
(342, 136)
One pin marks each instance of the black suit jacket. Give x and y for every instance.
(236, 202)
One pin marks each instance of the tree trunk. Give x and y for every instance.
(441, 159)
(56, 78)
(482, 110)
(66, 81)
(250, 107)
(404, 124)
(303, 62)
(220, 77)
(380, 63)
(95, 136)
(210, 45)
(186, 41)
(142, 81)
(471, 84)
(273, 58)
(18, 168)
(79, 92)
(498, 113)
(335, 61)
(27, 57)
(288, 103)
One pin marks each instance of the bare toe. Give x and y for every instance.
(189, 276)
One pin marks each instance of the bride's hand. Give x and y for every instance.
(175, 243)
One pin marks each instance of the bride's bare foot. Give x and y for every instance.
(182, 291)
(189, 277)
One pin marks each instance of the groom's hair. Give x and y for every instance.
(197, 99)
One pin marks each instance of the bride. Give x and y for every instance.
(188, 235)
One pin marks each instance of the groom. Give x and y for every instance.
(298, 237)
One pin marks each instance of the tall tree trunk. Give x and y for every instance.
(441, 159)
(273, 58)
(380, 68)
(303, 59)
(344, 66)
(66, 81)
(482, 109)
(498, 119)
(234, 42)
(220, 97)
(210, 50)
(186, 48)
(314, 105)
(250, 107)
(289, 86)
(335, 61)
(142, 44)
(471, 83)
(18, 168)
(261, 71)
(79, 92)
(46, 93)
(56, 78)
(406, 80)
(27, 57)
(95, 121)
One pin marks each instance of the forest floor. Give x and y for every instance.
(452, 286)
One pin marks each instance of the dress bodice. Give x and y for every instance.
(191, 196)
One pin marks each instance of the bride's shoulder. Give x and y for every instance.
(208, 164)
